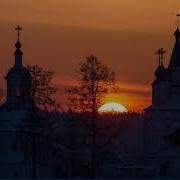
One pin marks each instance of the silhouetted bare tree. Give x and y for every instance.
(42, 90)
(36, 130)
(94, 78)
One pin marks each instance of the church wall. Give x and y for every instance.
(175, 80)
(160, 92)
(12, 160)
(158, 125)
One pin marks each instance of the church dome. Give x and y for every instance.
(21, 72)
(161, 73)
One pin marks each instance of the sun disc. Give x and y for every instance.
(112, 107)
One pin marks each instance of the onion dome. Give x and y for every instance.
(161, 73)
(20, 72)
(175, 57)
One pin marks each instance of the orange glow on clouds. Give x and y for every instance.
(132, 96)
(131, 101)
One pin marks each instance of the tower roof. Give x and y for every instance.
(18, 72)
(175, 57)
(18, 69)
(18, 52)
(160, 72)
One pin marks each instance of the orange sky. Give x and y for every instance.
(124, 34)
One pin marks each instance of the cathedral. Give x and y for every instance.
(162, 118)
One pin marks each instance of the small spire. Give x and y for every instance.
(175, 57)
(18, 44)
(18, 53)
(177, 32)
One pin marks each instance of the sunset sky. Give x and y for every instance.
(124, 34)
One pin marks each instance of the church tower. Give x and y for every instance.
(162, 117)
(18, 80)
(166, 86)
(12, 113)
(13, 122)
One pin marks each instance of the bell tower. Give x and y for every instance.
(18, 79)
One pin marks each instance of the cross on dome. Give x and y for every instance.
(18, 29)
(160, 52)
(18, 44)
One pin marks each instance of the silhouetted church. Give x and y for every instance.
(163, 116)
(15, 109)
(12, 112)
(18, 81)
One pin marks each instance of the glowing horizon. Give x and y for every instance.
(58, 35)
(112, 107)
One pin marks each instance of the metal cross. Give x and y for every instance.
(18, 29)
(160, 52)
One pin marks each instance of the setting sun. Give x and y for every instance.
(112, 107)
